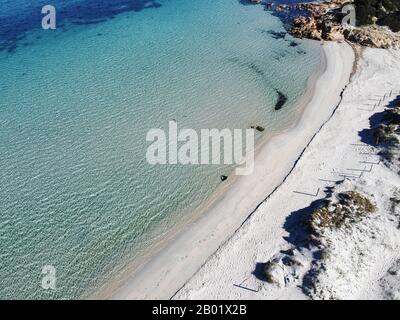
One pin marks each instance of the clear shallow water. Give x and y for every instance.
(76, 104)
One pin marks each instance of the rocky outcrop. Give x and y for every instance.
(258, 128)
(373, 36)
(312, 233)
(317, 28)
(316, 8)
(285, 268)
(323, 21)
(282, 99)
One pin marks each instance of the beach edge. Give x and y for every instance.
(183, 254)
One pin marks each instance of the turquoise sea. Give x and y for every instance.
(76, 103)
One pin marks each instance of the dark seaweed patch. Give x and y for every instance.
(250, 65)
(281, 100)
(14, 27)
(255, 68)
(274, 34)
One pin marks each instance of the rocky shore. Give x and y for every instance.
(323, 21)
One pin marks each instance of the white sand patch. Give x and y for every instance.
(360, 262)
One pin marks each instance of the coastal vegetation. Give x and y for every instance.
(350, 207)
(386, 136)
(381, 12)
(334, 217)
(377, 22)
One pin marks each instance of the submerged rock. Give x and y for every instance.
(277, 34)
(258, 128)
(281, 100)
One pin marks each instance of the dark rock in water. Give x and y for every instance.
(258, 128)
(281, 100)
(223, 178)
(294, 44)
(276, 34)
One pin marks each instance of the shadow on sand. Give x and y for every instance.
(367, 135)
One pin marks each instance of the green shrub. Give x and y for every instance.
(387, 13)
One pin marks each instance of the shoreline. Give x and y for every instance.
(279, 254)
(162, 272)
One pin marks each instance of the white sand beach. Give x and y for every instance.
(222, 243)
(361, 262)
